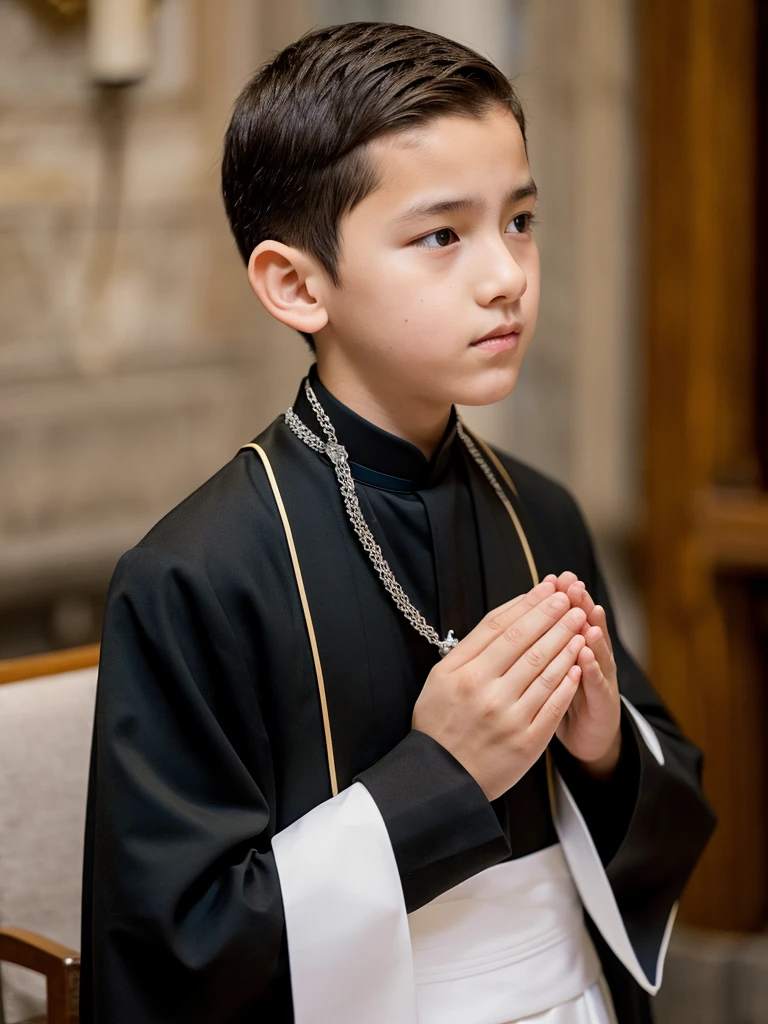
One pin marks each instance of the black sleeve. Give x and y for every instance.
(182, 913)
(182, 908)
(662, 820)
(607, 804)
(442, 827)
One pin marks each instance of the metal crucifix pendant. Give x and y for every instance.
(448, 644)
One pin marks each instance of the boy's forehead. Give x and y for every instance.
(481, 153)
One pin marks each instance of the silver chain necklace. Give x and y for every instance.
(337, 453)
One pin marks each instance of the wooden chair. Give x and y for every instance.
(46, 711)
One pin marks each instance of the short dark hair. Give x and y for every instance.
(294, 162)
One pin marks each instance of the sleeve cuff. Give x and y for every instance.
(442, 827)
(607, 805)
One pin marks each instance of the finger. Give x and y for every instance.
(598, 644)
(534, 654)
(579, 597)
(597, 617)
(555, 707)
(494, 623)
(512, 641)
(545, 684)
(592, 675)
(565, 580)
(587, 657)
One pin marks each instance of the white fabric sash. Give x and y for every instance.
(506, 944)
(509, 942)
(594, 1006)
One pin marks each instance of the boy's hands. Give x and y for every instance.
(501, 694)
(590, 730)
(497, 699)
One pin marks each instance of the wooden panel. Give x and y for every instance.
(761, 227)
(733, 530)
(698, 87)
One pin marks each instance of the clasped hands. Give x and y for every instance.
(538, 666)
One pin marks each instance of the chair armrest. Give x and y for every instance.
(14, 670)
(59, 964)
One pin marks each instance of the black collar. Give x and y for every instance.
(376, 456)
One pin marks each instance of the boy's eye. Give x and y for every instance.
(437, 240)
(522, 222)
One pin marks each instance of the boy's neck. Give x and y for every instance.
(424, 426)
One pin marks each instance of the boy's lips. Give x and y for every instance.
(502, 337)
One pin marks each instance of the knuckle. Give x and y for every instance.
(549, 680)
(526, 747)
(490, 706)
(554, 609)
(512, 723)
(555, 709)
(494, 624)
(466, 681)
(513, 634)
(534, 656)
(437, 675)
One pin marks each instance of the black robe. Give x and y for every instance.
(209, 739)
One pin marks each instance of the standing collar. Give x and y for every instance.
(376, 456)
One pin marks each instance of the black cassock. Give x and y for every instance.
(209, 737)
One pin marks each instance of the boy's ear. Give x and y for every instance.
(289, 284)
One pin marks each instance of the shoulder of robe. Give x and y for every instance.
(220, 531)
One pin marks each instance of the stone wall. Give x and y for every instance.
(133, 357)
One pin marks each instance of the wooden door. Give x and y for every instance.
(702, 90)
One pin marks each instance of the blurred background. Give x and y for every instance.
(134, 360)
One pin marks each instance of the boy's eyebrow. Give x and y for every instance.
(425, 208)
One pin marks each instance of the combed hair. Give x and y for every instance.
(294, 159)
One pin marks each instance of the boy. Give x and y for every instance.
(367, 744)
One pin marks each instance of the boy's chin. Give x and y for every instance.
(489, 389)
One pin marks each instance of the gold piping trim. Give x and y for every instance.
(307, 614)
(551, 784)
(508, 504)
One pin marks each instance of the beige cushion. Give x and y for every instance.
(45, 739)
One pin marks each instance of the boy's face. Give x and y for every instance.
(420, 286)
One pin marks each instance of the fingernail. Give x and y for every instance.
(559, 602)
(575, 645)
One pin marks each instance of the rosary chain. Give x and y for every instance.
(475, 453)
(338, 456)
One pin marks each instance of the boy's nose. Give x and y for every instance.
(501, 277)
